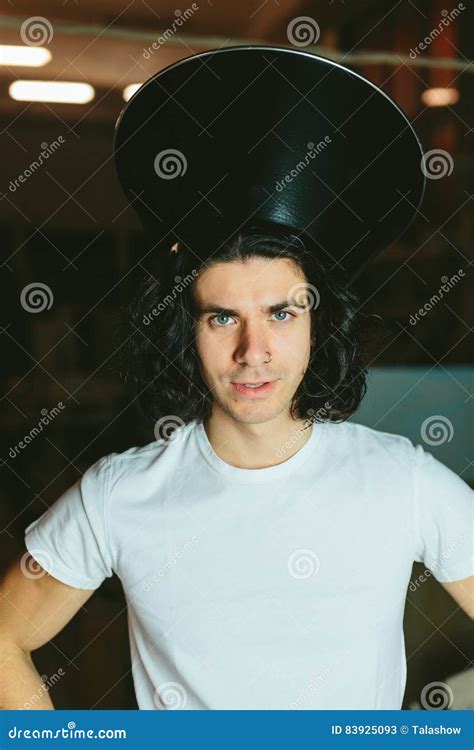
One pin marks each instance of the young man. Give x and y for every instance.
(264, 543)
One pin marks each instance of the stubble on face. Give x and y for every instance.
(235, 348)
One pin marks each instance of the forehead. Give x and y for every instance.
(245, 282)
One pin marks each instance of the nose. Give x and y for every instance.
(253, 345)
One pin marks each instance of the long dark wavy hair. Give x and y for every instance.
(156, 337)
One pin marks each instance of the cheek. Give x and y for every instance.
(203, 340)
(295, 345)
(212, 351)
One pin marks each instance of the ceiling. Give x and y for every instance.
(110, 44)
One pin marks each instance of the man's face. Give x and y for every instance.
(235, 333)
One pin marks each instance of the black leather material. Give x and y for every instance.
(240, 122)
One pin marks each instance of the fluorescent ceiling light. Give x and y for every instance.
(129, 91)
(440, 97)
(16, 54)
(51, 91)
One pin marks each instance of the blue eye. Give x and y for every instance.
(285, 312)
(214, 318)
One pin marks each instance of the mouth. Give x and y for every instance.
(254, 389)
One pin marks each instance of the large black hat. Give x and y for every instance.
(250, 134)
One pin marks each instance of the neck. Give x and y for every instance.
(256, 446)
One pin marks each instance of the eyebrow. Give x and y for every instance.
(211, 307)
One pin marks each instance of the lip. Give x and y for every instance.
(261, 392)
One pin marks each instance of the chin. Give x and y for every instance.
(254, 413)
(252, 418)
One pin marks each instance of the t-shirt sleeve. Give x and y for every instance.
(444, 515)
(70, 539)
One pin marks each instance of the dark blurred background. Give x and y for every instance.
(65, 224)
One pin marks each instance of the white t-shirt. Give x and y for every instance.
(274, 588)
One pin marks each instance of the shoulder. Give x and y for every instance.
(364, 442)
(411, 460)
(374, 436)
(138, 462)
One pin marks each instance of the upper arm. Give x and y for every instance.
(444, 520)
(35, 606)
(463, 593)
(70, 539)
